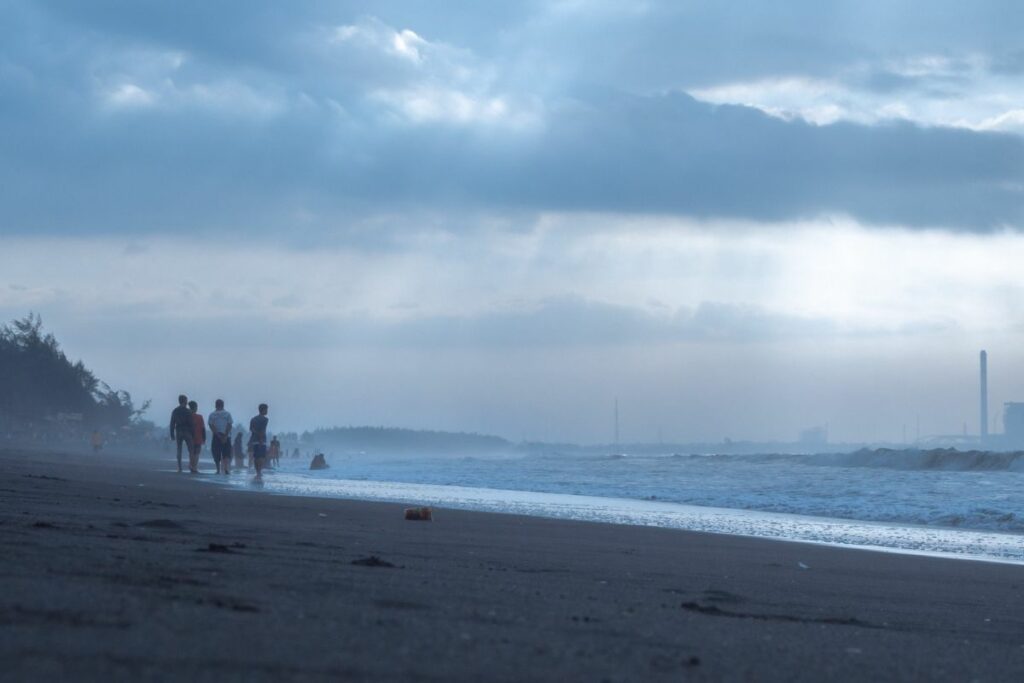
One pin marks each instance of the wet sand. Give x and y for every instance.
(115, 570)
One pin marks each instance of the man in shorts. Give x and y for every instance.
(182, 427)
(258, 440)
(220, 441)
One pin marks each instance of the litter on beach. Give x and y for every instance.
(423, 514)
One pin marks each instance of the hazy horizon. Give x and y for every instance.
(501, 219)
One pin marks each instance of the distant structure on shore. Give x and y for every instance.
(983, 422)
(1012, 437)
(1013, 424)
(814, 437)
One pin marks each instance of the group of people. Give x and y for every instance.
(188, 429)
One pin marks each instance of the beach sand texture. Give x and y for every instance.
(116, 570)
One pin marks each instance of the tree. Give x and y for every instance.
(37, 381)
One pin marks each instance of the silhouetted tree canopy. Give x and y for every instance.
(37, 381)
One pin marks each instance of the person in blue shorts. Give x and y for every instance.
(258, 440)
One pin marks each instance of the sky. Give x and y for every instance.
(740, 219)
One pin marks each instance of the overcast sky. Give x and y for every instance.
(740, 218)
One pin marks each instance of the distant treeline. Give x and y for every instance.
(389, 439)
(40, 387)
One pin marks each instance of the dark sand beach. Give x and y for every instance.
(116, 570)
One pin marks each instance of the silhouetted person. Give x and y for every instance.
(258, 440)
(220, 438)
(239, 451)
(182, 427)
(275, 452)
(198, 437)
(97, 441)
(318, 463)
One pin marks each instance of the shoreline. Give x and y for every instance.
(662, 514)
(117, 571)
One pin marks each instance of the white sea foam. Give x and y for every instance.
(760, 499)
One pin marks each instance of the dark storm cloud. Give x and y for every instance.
(675, 154)
(268, 124)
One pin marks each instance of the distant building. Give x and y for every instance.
(814, 436)
(1013, 424)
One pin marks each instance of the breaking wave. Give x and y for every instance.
(933, 459)
(936, 488)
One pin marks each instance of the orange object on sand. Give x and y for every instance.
(419, 514)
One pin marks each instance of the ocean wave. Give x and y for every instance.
(933, 488)
(953, 539)
(933, 459)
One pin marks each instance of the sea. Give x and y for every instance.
(945, 503)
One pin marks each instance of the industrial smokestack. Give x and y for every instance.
(984, 396)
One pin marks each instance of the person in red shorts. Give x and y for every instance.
(198, 437)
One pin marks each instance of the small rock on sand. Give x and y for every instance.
(372, 561)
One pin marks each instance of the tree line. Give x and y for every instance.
(38, 383)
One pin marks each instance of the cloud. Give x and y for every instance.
(605, 284)
(927, 90)
(573, 323)
(726, 328)
(348, 122)
(130, 95)
(560, 323)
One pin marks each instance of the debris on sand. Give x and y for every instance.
(419, 514)
(372, 561)
(215, 548)
(160, 524)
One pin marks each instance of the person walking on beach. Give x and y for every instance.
(238, 451)
(220, 439)
(258, 439)
(198, 437)
(182, 427)
(275, 452)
